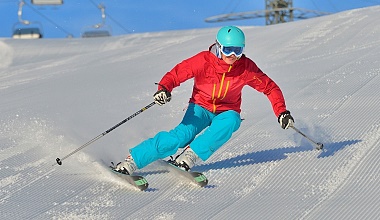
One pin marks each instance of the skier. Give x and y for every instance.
(214, 107)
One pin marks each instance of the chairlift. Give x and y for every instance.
(25, 29)
(96, 33)
(30, 31)
(47, 2)
(98, 30)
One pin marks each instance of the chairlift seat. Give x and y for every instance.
(27, 33)
(47, 2)
(96, 33)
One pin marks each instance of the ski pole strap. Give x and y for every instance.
(162, 86)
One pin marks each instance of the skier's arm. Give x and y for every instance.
(263, 83)
(258, 80)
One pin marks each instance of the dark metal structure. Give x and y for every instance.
(276, 11)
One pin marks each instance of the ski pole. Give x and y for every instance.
(59, 160)
(318, 145)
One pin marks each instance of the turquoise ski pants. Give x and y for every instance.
(218, 129)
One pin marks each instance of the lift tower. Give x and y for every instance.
(276, 11)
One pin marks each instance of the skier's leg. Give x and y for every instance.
(195, 120)
(165, 143)
(219, 132)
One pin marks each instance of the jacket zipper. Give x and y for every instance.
(220, 90)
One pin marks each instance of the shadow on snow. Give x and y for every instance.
(272, 155)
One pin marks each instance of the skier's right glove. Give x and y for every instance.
(162, 96)
(285, 120)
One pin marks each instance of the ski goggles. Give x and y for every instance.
(228, 51)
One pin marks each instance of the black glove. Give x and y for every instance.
(285, 120)
(162, 97)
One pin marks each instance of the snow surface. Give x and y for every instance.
(57, 94)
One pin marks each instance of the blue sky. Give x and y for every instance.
(126, 16)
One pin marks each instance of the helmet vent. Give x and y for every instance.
(231, 36)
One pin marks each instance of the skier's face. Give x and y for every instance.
(229, 59)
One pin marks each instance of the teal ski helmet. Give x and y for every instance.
(231, 36)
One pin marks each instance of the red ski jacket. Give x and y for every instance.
(218, 85)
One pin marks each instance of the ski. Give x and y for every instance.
(196, 177)
(137, 181)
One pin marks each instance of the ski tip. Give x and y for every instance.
(140, 182)
(135, 180)
(200, 179)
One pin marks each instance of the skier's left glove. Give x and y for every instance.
(285, 120)
(162, 96)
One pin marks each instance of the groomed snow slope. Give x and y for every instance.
(57, 94)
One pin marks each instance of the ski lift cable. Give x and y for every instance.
(315, 5)
(236, 5)
(118, 24)
(335, 8)
(227, 7)
(48, 19)
(110, 17)
(7, 1)
(230, 8)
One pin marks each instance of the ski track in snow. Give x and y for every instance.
(60, 96)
